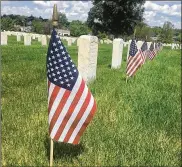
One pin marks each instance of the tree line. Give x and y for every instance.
(106, 19)
(43, 26)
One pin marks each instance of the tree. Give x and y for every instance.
(7, 23)
(38, 27)
(115, 17)
(143, 31)
(166, 35)
(63, 21)
(78, 28)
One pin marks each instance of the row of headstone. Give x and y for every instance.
(175, 46)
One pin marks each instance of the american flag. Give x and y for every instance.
(144, 49)
(71, 105)
(152, 52)
(135, 59)
(156, 47)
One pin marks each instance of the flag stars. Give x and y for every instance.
(63, 52)
(56, 49)
(51, 51)
(68, 85)
(58, 72)
(67, 80)
(65, 75)
(58, 55)
(61, 47)
(59, 42)
(57, 36)
(54, 44)
(65, 58)
(63, 70)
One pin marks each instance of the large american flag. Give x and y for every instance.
(135, 59)
(71, 105)
(152, 52)
(144, 49)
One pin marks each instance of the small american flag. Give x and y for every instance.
(152, 52)
(71, 105)
(156, 47)
(135, 59)
(144, 49)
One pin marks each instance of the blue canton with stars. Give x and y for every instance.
(61, 71)
(133, 48)
(144, 47)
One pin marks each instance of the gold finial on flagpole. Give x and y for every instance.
(55, 16)
(134, 33)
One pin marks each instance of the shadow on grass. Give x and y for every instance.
(63, 150)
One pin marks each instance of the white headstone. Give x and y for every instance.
(44, 40)
(87, 57)
(139, 44)
(117, 52)
(33, 36)
(27, 39)
(4, 38)
(39, 38)
(148, 45)
(101, 41)
(128, 49)
(69, 42)
(18, 37)
(172, 46)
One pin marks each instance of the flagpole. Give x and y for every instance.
(51, 152)
(54, 24)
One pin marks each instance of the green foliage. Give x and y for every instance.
(115, 17)
(136, 124)
(7, 24)
(38, 27)
(166, 35)
(156, 31)
(78, 28)
(143, 32)
(63, 21)
(102, 35)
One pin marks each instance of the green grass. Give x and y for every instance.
(137, 123)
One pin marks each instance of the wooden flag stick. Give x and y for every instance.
(55, 24)
(51, 152)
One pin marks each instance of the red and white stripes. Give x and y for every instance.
(69, 111)
(134, 62)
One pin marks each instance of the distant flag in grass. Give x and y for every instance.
(144, 50)
(152, 52)
(156, 47)
(135, 59)
(71, 105)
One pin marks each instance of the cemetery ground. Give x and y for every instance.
(136, 123)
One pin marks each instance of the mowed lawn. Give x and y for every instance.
(137, 123)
